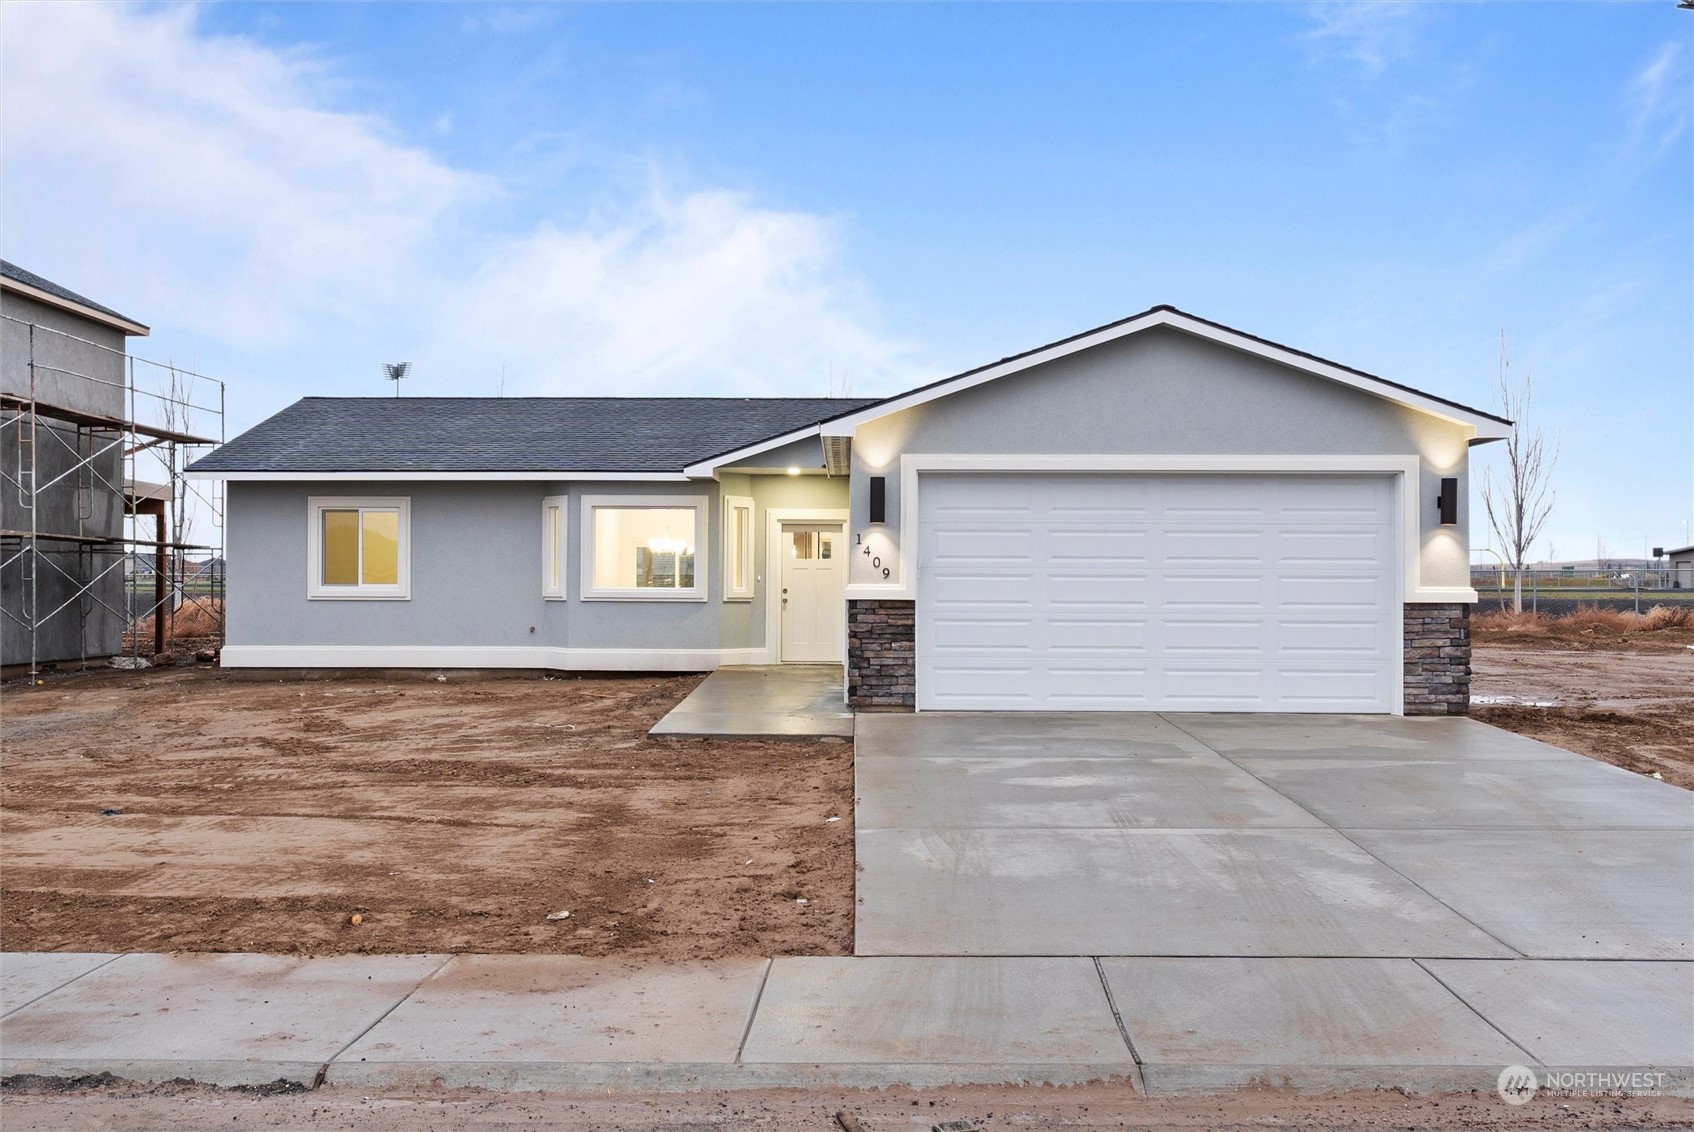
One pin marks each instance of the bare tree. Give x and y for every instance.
(1518, 507)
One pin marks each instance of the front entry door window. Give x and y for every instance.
(813, 609)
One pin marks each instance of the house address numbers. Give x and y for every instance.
(875, 559)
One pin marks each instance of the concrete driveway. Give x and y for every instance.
(1365, 837)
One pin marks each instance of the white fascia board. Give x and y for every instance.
(440, 477)
(1485, 427)
(134, 329)
(706, 469)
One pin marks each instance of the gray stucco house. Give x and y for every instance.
(1158, 514)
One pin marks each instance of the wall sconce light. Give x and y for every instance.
(1447, 503)
(879, 499)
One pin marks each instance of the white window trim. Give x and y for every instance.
(554, 549)
(749, 540)
(316, 505)
(702, 559)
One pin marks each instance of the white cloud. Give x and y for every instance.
(218, 181)
(1369, 33)
(1657, 100)
(207, 169)
(698, 289)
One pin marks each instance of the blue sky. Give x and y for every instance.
(766, 199)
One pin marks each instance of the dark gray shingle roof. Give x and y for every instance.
(30, 279)
(513, 434)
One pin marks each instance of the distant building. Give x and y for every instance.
(1682, 568)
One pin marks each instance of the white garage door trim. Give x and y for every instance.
(903, 585)
(1019, 619)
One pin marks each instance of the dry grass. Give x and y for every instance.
(200, 620)
(1669, 617)
(1595, 617)
(1589, 627)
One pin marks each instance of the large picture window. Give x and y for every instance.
(358, 548)
(645, 548)
(737, 548)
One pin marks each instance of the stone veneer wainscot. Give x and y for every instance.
(1437, 655)
(882, 655)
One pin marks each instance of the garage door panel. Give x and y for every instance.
(1340, 637)
(1097, 688)
(1222, 592)
(979, 686)
(1331, 591)
(1010, 588)
(1124, 636)
(1327, 498)
(1098, 591)
(1330, 689)
(1008, 637)
(1214, 636)
(1183, 498)
(1157, 592)
(1242, 546)
(985, 502)
(1362, 547)
(1070, 546)
(964, 546)
(1194, 686)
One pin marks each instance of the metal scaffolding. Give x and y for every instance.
(107, 529)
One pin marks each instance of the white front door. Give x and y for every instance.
(814, 571)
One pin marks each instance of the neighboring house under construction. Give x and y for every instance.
(90, 471)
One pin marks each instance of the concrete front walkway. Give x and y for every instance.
(764, 701)
(1357, 837)
(1161, 1025)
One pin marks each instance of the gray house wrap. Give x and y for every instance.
(79, 366)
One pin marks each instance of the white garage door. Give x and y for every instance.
(1119, 592)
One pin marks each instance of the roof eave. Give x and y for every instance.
(707, 468)
(262, 475)
(115, 321)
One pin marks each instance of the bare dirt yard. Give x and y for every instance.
(178, 1108)
(188, 809)
(1606, 684)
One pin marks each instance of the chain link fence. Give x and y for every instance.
(1561, 589)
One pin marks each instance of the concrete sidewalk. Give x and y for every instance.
(1161, 1025)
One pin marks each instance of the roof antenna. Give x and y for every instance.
(394, 371)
